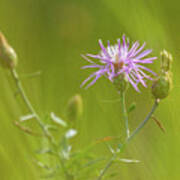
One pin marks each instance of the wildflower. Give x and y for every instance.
(120, 59)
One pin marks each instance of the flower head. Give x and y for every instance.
(121, 59)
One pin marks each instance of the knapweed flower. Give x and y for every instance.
(121, 59)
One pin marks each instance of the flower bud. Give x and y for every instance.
(166, 60)
(75, 107)
(8, 57)
(162, 86)
(121, 83)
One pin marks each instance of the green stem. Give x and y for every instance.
(136, 131)
(108, 165)
(125, 114)
(23, 95)
(37, 117)
(29, 105)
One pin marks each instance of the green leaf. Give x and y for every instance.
(30, 75)
(27, 117)
(128, 160)
(71, 133)
(42, 165)
(110, 149)
(44, 151)
(132, 107)
(51, 127)
(93, 162)
(58, 120)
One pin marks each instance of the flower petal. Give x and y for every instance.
(144, 53)
(140, 49)
(103, 48)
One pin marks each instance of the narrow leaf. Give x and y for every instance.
(50, 127)
(25, 129)
(110, 149)
(160, 125)
(132, 107)
(71, 133)
(40, 164)
(30, 75)
(58, 120)
(92, 162)
(128, 160)
(27, 117)
(44, 151)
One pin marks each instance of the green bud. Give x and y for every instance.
(166, 60)
(8, 57)
(75, 107)
(162, 86)
(121, 83)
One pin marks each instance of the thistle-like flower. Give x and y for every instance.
(120, 59)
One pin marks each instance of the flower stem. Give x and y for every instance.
(37, 117)
(136, 131)
(29, 105)
(125, 114)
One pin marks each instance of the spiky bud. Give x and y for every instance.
(8, 57)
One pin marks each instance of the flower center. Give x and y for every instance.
(118, 64)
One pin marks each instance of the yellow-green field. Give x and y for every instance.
(50, 36)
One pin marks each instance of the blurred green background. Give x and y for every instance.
(50, 36)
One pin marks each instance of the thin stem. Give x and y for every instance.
(29, 105)
(136, 131)
(37, 117)
(23, 95)
(125, 114)
(108, 165)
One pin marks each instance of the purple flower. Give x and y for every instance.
(121, 59)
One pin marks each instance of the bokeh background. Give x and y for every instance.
(50, 36)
